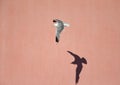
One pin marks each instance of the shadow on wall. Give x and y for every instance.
(78, 61)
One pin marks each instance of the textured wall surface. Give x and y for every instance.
(29, 54)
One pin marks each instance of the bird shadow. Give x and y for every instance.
(78, 61)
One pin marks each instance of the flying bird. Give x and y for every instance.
(78, 61)
(59, 27)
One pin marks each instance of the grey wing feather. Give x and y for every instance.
(58, 31)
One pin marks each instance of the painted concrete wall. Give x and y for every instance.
(29, 54)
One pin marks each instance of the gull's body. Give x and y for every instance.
(59, 27)
(78, 61)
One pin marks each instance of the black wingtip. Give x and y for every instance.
(84, 60)
(54, 20)
(57, 40)
(68, 51)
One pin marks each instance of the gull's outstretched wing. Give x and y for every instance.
(76, 57)
(59, 27)
(66, 24)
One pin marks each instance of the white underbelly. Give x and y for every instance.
(56, 24)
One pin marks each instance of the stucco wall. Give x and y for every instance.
(29, 54)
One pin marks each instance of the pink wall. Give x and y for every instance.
(30, 56)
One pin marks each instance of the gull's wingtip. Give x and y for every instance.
(66, 25)
(68, 51)
(57, 40)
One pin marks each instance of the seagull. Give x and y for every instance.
(78, 61)
(59, 24)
